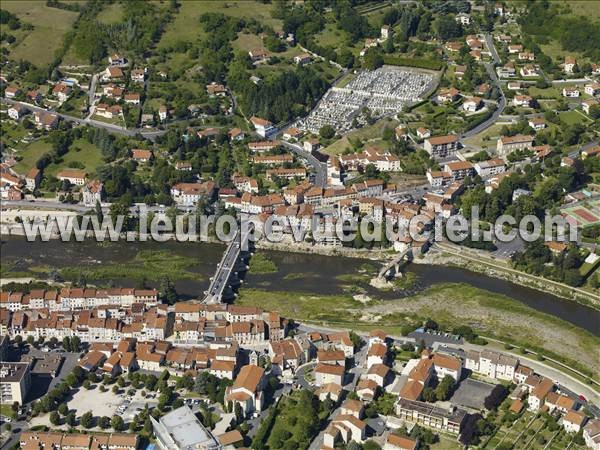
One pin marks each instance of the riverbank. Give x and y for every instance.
(449, 255)
(190, 265)
(443, 257)
(451, 305)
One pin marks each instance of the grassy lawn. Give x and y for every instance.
(6, 410)
(115, 120)
(247, 42)
(187, 27)
(261, 263)
(50, 26)
(87, 154)
(112, 13)
(584, 8)
(486, 139)
(446, 443)
(550, 92)
(369, 135)
(81, 151)
(571, 117)
(10, 131)
(31, 154)
(331, 36)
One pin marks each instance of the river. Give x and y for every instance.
(297, 272)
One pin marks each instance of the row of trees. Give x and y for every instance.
(536, 256)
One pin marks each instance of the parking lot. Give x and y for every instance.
(471, 394)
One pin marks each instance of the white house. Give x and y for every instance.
(262, 126)
(492, 364)
(573, 421)
(92, 192)
(329, 373)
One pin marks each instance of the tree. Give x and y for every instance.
(373, 59)
(239, 413)
(327, 131)
(54, 418)
(446, 27)
(117, 423)
(444, 389)
(496, 396)
(429, 395)
(87, 420)
(595, 112)
(167, 292)
(87, 384)
(75, 344)
(104, 422)
(147, 425)
(70, 419)
(63, 409)
(371, 445)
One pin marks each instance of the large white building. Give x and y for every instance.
(181, 430)
(492, 364)
(15, 381)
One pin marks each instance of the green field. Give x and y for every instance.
(147, 264)
(585, 8)
(89, 155)
(572, 117)
(112, 13)
(370, 135)
(247, 42)
(186, 25)
(50, 26)
(486, 139)
(550, 92)
(31, 154)
(81, 151)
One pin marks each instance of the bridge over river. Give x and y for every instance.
(231, 264)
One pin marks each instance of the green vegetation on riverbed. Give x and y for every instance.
(147, 264)
(451, 305)
(261, 263)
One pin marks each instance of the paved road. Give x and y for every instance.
(44, 204)
(111, 128)
(92, 89)
(56, 205)
(319, 167)
(490, 68)
(300, 374)
(225, 268)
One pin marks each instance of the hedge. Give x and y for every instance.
(431, 64)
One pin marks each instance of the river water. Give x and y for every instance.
(297, 272)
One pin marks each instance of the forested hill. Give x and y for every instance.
(548, 20)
